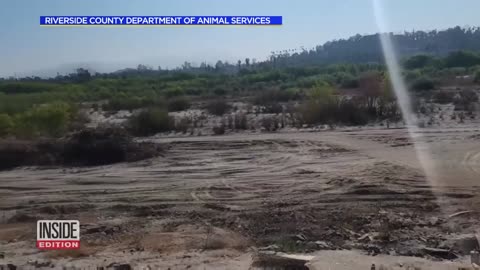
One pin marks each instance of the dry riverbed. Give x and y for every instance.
(214, 202)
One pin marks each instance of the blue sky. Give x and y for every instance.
(25, 47)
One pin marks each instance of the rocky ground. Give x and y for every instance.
(213, 202)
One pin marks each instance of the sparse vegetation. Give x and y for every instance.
(270, 123)
(443, 97)
(240, 121)
(281, 85)
(43, 120)
(466, 100)
(324, 106)
(183, 124)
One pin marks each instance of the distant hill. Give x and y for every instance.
(357, 49)
(367, 48)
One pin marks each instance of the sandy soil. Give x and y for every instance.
(212, 202)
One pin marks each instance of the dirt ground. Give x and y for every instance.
(214, 202)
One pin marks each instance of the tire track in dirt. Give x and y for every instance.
(263, 186)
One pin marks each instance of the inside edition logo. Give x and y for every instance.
(58, 234)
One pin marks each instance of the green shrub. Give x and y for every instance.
(123, 103)
(273, 108)
(272, 96)
(352, 113)
(178, 104)
(462, 59)
(102, 146)
(346, 80)
(218, 130)
(174, 92)
(320, 101)
(28, 87)
(411, 75)
(88, 147)
(150, 122)
(349, 83)
(194, 91)
(348, 112)
(418, 61)
(423, 84)
(6, 124)
(48, 119)
(316, 113)
(324, 107)
(218, 107)
(219, 91)
(19, 103)
(96, 147)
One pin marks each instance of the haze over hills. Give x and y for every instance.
(355, 49)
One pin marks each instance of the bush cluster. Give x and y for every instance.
(149, 122)
(218, 107)
(50, 120)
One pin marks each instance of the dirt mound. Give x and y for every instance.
(89, 147)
